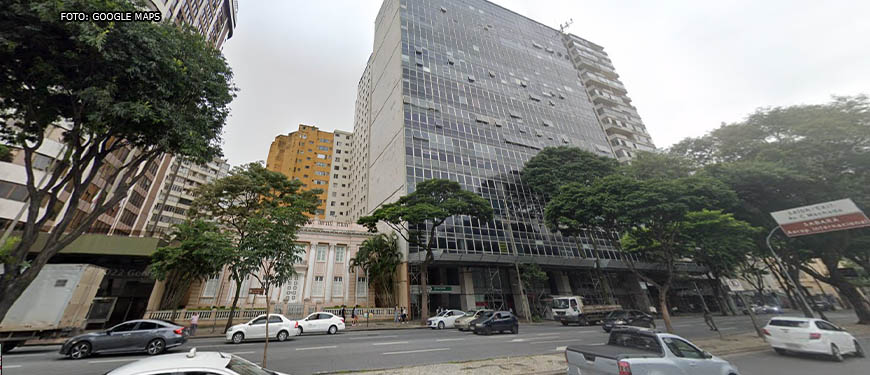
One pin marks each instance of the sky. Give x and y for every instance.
(687, 65)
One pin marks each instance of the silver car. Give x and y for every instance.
(150, 336)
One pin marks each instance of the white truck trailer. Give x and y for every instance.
(571, 309)
(55, 304)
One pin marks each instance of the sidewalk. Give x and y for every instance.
(555, 363)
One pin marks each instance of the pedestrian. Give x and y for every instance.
(342, 313)
(194, 322)
(404, 315)
(396, 314)
(353, 315)
(708, 318)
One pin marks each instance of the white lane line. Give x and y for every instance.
(416, 351)
(114, 360)
(551, 341)
(371, 337)
(318, 347)
(547, 334)
(561, 348)
(518, 340)
(457, 339)
(240, 352)
(389, 343)
(12, 366)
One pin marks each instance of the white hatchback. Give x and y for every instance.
(321, 322)
(280, 328)
(445, 320)
(804, 335)
(212, 363)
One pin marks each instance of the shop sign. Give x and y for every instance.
(825, 217)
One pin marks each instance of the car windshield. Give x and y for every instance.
(486, 314)
(561, 303)
(242, 367)
(789, 323)
(616, 315)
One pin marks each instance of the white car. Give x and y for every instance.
(445, 320)
(280, 328)
(205, 363)
(803, 335)
(321, 322)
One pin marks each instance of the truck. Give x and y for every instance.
(571, 309)
(642, 351)
(54, 305)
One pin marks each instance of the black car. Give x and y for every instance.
(628, 318)
(499, 321)
(823, 305)
(150, 336)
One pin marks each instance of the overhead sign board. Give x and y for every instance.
(257, 291)
(821, 218)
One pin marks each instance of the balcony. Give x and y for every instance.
(594, 79)
(599, 97)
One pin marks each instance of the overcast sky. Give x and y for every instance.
(688, 65)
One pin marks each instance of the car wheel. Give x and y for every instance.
(300, 331)
(155, 346)
(282, 335)
(835, 353)
(332, 330)
(80, 350)
(515, 329)
(440, 325)
(780, 351)
(564, 323)
(859, 350)
(238, 337)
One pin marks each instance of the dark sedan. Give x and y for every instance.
(628, 318)
(150, 336)
(499, 321)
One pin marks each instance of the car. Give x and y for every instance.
(463, 323)
(444, 320)
(280, 328)
(822, 305)
(499, 321)
(812, 336)
(766, 309)
(144, 335)
(321, 322)
(203, 363)
(634, 318)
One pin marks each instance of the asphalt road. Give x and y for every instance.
(362, 350)
(768, 362)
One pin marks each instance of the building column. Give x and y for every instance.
(564, 283)
(515, 291)
(466, 287)
(330, 265)
(156, 295)
(306, 295)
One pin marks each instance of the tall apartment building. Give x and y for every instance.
(620, 120)
(469, 91)
(215, 19)
(338, 194)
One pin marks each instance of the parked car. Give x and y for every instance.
(280, 328)
(499, 321)
(804, 335)
(765, 309)
(445, 320)
(321, 322)
(213, 363)
(150, 336)
(463, 323)
(634, 318)
(823, 305)
(641, 351)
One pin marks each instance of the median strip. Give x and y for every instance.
(318, 347)
(416, 351)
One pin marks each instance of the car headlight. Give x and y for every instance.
(619, 322)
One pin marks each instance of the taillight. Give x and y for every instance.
(766, 332)
(624, 368)
(297, 324)
(342, 320)
(815, 336)
(179, 331)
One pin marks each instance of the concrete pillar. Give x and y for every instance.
(466, 287)
(330, 265)
(156, 296)
(515, 291)
(403, 288)
(563, 283)
(309, 278)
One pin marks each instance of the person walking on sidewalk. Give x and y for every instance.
(353, 315)
(194, 322)
(342, 313)
(404, 315)
(708, 318)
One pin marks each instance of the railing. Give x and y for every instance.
(292, 311)
(204, 315)
(376, 313)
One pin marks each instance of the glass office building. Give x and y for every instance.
(469, 91)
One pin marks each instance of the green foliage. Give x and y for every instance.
(553, 167)
(5, 153)
(6, 248)
(269, 251)
(718, 240)
(654, 165)
(198, 250)
(379, 258)
(532, 275)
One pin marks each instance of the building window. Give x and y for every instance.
(323, 148)
(339, 254)
(210, 287)
(321, 252)
(317, 288)
(337, 286)
(292, 289)
(362, 289)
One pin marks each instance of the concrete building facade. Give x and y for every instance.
(215, 19)
(338, 194)
(305, 155)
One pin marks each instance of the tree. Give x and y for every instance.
(417, 216)
(534, 280)
(198, 251)
(5, 153)
(119, 94)
(650, 214)
(379, 257)
(239, 201)
(269, 249)
(553, 167)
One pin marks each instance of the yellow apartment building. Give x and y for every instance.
(305, 155)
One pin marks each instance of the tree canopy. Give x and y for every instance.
(379, 258)
(553, 167)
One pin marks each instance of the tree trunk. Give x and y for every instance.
(859, 303)
(233, 308)
(266, 345)
(663, 305)
(751, 316)
(721, 297)
(424, 291)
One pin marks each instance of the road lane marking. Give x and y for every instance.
(561, 348)
(518, 340)
(457, 339)
(547, 334)
(551, 341)
(318, 347)
(114, 360)
(416, 351)
(390, 343)
(11, 366)
(371, 337)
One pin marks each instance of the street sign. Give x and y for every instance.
(821, 218)
(257, 291)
